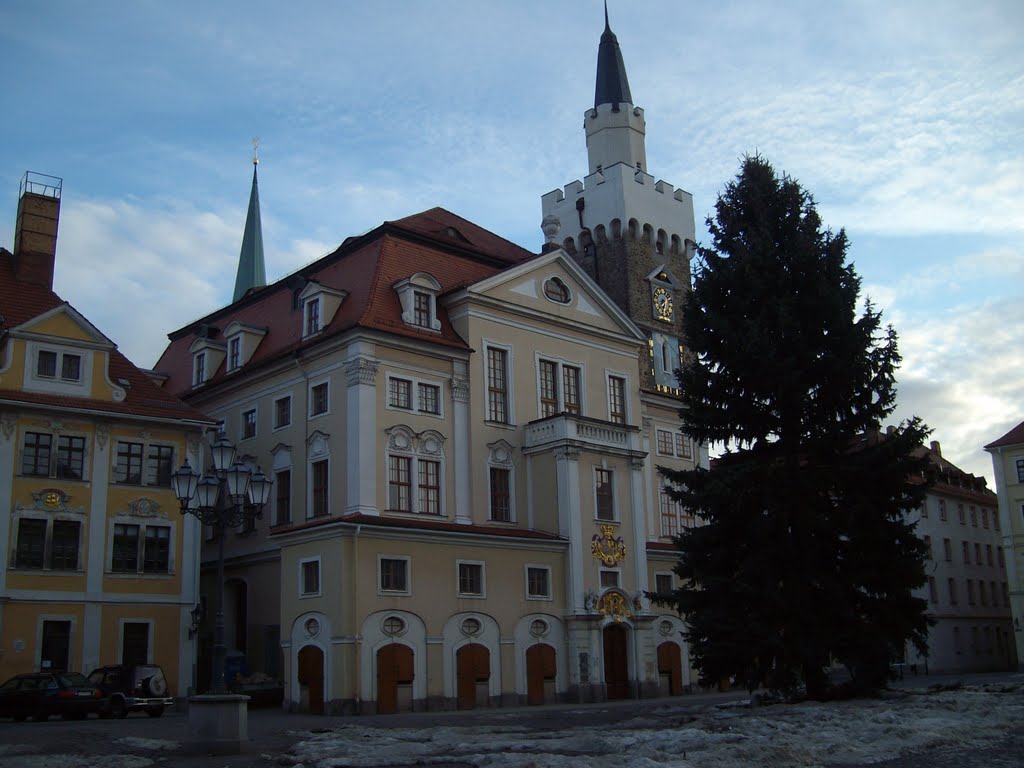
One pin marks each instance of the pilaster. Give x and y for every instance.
(570, 522)
(461, 443)
(361, 435)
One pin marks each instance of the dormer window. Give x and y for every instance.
(418, 296)
(199, 376)
(243, 339)
(70, 365)
(47, 363)
(234, 353)
(312, 317)
(207, 358)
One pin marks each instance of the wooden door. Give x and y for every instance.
(311, 675)
(394, 668)
(616, 664)
(473, 667)
(670, 667)
(540, 668)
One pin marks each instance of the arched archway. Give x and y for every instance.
(394, 678)
(616, 661)
(311, 677)
(670, 668)
(540, 673)
(473, 675)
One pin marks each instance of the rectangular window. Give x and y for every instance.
(71, 367)
(947, 549)
(669, 514)
(970, 592)
(310, 578)
(538, 582)
(977, 554)
(665, 443)
(571, 389)
(282, 412)
(974, 517)
(160, 465)
(64, 547)
(157, 552)
(951, 583)
(605, 494)
(616, 400)
(430, 487)
(471, 579)
(999, 554)
(429, 398)
(548, 389)
(995, 519)
(31, 547)
(684, 446)
(199, 369)
(994, 593)
(126, 549)
(234, 353)
(393, 575)
(1020, 470)
(283, 497)
(959, 512)
(318, 399)
(924, 509)
(35, 458)
(128, 468)
(497, 385)
(400, 483)
(421, 309)
(46, 364)
(249, 423)
(942, 510)
(928, 547)
(312, 316)
(663, 583)
(982, 593)
(933, 595)
(984, 518)
(70, 457)
(966, 547)
(501, 495)
(320, 488)
(400, 393)
(609, 579)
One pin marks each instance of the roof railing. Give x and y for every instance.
(40, 184)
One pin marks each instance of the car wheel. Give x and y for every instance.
(118, 709)
(155, 711)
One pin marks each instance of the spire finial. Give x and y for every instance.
(256, 143)
(607, 26)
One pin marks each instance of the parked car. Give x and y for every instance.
(129, 688)
(41, 694)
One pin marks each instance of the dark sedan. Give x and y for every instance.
(41, 694)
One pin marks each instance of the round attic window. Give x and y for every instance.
(556, 290)
(471, 627)
(538, 628)
(393, 626)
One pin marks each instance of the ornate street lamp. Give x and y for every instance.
(228, 496)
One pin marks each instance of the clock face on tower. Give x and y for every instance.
(662, 304)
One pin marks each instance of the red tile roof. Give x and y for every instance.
(20, 302)
(455, 251)
(1014, 437)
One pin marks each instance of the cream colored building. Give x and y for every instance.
(1008, 466)
(97, 566)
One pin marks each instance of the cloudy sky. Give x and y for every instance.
(904, 118)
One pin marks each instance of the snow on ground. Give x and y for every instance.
(807, 734)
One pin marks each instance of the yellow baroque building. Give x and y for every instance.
(97, 565)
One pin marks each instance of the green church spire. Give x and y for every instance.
(252, 271)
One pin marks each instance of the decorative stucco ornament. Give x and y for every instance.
(615, 606)
(607, 547)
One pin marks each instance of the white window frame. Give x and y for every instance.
(403, 442)
(560, 364)
(288, 423)
(615, 503)
(499, 456)
(408, 575)
(415, 383)
(199, 372)
(303, 593)
(618, 578)
(658, 432)
(309, 512)
(234, 353)
(313, 302)
(482, 594)
(526, 582)
(420, 283)
(510, 400)
(254, 410)
(309, 408)
(146, 446)
(143, 523)
(57, 384)
(671, 577)
(50, 518)
(608, 376)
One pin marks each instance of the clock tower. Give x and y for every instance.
(634, 235)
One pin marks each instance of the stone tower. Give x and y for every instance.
(633, 235)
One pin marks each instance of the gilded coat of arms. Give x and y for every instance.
(607, 547)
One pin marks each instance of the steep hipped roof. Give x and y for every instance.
(612, 86)
(20, 302)
(454, 251)
(1014, 437)
(252, 271)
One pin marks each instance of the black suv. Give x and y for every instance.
(131, 688)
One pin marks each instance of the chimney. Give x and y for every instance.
(35, 233)
(936, 448)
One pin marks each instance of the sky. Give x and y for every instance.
(902, 117)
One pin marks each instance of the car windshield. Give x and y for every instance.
(71, 679)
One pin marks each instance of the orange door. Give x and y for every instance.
(394, 668)
(540, 666)
(616, 666)
(670, 665)
(311, 675)
(473, 666)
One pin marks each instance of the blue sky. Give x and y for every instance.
(904, 119)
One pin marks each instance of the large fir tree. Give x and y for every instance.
(804, 557)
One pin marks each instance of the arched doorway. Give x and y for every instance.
(616, 662)
(540, 673)
(670, 669)
(394, 679)
(473, 674)
(311, 677)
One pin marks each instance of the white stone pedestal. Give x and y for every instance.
(218, 723)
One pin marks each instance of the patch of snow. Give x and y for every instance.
(153, 744)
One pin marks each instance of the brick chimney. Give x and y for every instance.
(936, 448)
(35, 233)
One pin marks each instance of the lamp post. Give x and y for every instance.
(222, 499)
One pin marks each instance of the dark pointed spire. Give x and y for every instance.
(612, 85)
(252, 272)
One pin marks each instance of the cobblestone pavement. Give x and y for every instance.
(165, 741)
